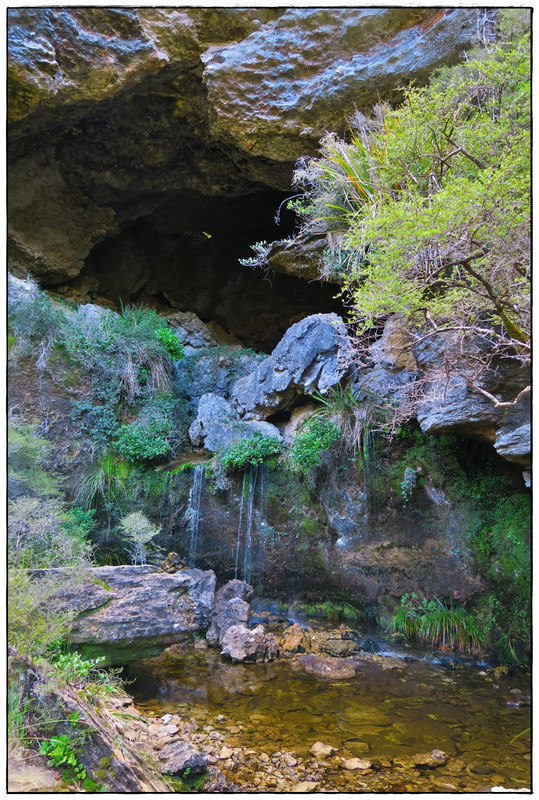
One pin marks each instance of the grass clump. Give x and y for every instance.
(437, 624)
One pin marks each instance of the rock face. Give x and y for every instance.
(131, 612)
(218, 425)
(313, 355)
(448, 405)
(148, 141)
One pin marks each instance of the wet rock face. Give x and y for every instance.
(135, 132)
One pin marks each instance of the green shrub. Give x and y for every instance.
(139, 532)
(169, 340)
(254, 450)
(317, 435)
(144, 439)
(37, 534)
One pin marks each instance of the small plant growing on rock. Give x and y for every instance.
(139, 532)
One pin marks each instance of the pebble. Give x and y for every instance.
(356, 763)
(226, 752)
(289, 760)
(306, 786)
(234, 729)
(221, 718)
(216, 735)
(166, 718)
(264, 758)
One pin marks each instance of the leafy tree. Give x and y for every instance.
(139, 533)
(431, 201)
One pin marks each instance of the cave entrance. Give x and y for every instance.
(184, 256)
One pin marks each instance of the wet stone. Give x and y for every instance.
(321, 750)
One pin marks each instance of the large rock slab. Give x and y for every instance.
(294, 76)
(127, 613)
(314, 354)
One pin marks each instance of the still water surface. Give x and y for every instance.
(396, 712)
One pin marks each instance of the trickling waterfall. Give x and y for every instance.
(239, 524)
(247, 563)
(262, 531)
(249, 513)
(192, 513)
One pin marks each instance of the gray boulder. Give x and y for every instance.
(126, 613)
(231, 608)
(195, 335)
(218, 425)
(314, 354)
(179, 756)
(242, 644)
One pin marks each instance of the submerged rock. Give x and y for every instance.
(321, 750)
(356, 763)
(330, 668)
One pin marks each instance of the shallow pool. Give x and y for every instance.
(380, 713)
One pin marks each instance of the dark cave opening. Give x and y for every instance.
(185, 255)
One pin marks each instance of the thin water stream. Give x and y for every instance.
(378, 714)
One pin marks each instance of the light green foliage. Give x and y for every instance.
(41, 534)
(437, 624)
(139, 532)
(36, 615)
(104, 483)
(259, 259)
(434, 197)
(60, 753)
(317, 434)
(168, 338)
(254, 450)
(353, 416)
(27, 451)
(71, 667)
(408, 483)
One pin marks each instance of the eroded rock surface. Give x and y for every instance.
(130, 612)
(136, 132)
(313, 355)
(231, 608)
(242, 644)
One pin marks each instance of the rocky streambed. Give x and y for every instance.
(390, 725)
